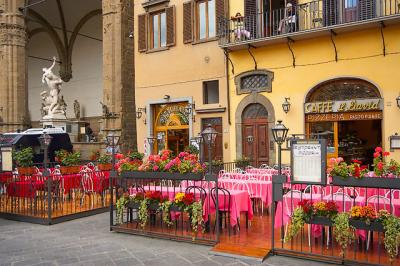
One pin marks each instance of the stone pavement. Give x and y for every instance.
(88, 241)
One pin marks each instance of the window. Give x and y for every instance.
(210, 92)
(159, 30)
(350, 3)
(206, 19)
(254, 81)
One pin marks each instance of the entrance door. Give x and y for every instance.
(255, 134)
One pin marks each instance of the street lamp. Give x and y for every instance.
(286, 105)
(208, 136)
(45, 140)
(112, 141)
(279, 132)
(151, 139)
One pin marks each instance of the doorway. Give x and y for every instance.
(255, 134)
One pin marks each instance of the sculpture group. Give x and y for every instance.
(53, 104)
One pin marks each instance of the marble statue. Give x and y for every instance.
(77, 109)
(54, 104)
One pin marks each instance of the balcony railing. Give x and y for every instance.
(307, 17)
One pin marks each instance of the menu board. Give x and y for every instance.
(308, 160)
(6, 159)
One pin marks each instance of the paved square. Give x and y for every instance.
(88, 241)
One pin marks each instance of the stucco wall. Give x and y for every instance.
(360, 55)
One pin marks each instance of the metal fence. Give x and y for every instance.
(304, 17)
(178, 225)
(317, 239)
(54, 198)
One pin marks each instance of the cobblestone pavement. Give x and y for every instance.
(88, 241)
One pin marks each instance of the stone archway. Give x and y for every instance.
(255, 98)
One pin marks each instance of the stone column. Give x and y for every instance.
(13, 89)
(118, 70)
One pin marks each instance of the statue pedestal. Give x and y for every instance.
(54, 122)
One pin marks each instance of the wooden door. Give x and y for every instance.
(256, 149)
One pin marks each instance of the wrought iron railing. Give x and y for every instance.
(176, 222)
(43, 199)
(303, 18)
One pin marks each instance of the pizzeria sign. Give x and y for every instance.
(359, 105)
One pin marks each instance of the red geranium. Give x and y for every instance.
(378, 149)
(306, 205)
(188, 199)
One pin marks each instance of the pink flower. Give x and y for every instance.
(377, 154)
(378, 149)
(155, 167)
(339, 160)
(380, 165)
(119, 156)
(386, 153)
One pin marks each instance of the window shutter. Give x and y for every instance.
(170, 14)
(187, 22)
(142, 32)
(220, 13)
(250, 7)
(250, 13)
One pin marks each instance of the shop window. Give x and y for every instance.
(254, 81)
(158, 30)
(210, 92)
(205, 19)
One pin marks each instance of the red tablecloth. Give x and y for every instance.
(25, 189)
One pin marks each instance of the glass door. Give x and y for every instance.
(328, 131)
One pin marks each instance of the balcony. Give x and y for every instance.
(304, 21)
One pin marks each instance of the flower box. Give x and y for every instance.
(104, 166)
(175, 208)
(153, 206)
(26, 170)
(161, 175)
(66, 170)
(362, 225)
(133, 205)
(321, 220)
(372, 182)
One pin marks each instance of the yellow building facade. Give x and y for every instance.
(340, 72)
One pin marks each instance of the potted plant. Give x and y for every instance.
(24, 161)
(242, 162)
(69, 161)
(104, 162)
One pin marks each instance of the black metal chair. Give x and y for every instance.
(225, 210)
(198, 192)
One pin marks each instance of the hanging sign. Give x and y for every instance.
(6, 159)
(377, 115)
(308, 161)
(358, 105)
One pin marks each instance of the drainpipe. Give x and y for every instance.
(228, 87)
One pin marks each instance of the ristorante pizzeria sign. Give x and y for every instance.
(359, 105)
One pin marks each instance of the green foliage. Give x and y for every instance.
(192, 149)
(24, 157)
(296, 223)
(68, 158)
(121, 203)
(104, 159)
(165, 209)
(136, 155)
(343, 231)
(391, 225)
(242, 162)
(143, 213)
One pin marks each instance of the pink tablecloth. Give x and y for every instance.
(240, 202)
(258, 188)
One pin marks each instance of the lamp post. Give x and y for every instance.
(209, 136)
(45, 140)
(151, 139)
(199, 142)
(279, 132)
(112, 141)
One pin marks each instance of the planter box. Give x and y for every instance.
(66, 170)
(362, 225)
(133, 205)
(371, 182)
(26, 170)
(320, 220)
(153, 207)
(175, 208)
(104, 166)
(161, 175)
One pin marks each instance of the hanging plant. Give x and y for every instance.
(196, 217)
(392, 233)
(165, 209)
(343, 231)
(296, 223)
(121, 204)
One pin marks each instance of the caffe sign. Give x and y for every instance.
(358, 105)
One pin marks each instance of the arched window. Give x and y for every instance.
(254, 81)
(343, 89)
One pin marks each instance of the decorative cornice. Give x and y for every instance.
(12, 34)
(211, 110)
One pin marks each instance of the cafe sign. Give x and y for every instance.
(358, 105)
